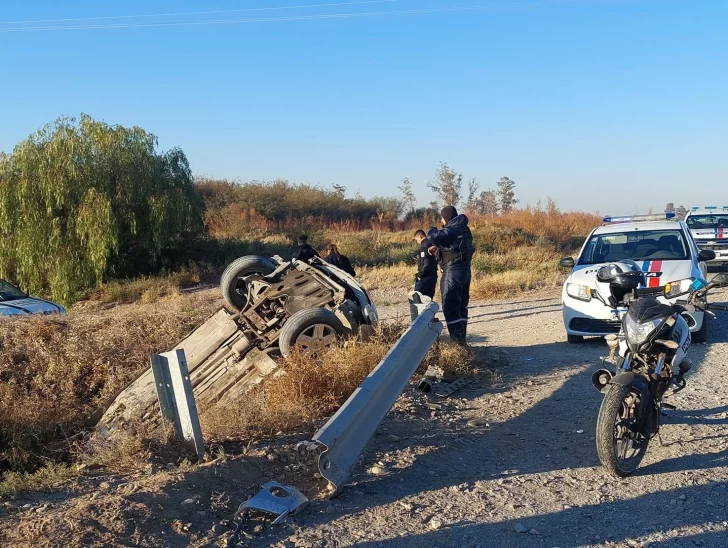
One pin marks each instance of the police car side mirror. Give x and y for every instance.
(567, 263)
(706, 255)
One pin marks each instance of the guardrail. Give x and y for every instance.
(346, 434)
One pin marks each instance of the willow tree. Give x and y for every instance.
(82, 200)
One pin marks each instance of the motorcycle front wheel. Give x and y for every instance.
(620, 446)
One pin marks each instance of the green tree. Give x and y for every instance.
(81, 201)
(448, 185)
(409, 200)
(472, 205)
(488, 203)
(506, 194)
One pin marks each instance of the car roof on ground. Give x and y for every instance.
(617, 228)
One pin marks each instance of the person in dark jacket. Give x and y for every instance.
(453, 247)
(341, 261)
(304, 252)
(426, 277)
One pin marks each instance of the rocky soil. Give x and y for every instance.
(508, 461)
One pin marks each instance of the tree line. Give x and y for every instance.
(82, 202)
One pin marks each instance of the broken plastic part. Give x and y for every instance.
(275, 499)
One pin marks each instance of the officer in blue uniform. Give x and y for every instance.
(453, 247)
(426, 277)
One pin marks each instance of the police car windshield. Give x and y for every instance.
(696, 222)
(9, 292)
(640, 245)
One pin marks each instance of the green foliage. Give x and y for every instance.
(506, 195)
(81, 201)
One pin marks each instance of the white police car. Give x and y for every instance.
(13, 302)
(660, 245)
(709, 227)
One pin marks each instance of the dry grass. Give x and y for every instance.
(54, 372)
(311, 390)
(146, 290)
(50, 476)
(495, 275)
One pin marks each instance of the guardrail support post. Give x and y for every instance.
(176, 399)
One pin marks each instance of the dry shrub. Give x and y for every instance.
(146, 290)
(45, 478)
(454, 359)
(54, 372)
(309, 389)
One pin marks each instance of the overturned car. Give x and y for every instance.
(276, 305)
(284, 304)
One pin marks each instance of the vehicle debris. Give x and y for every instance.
(275, 501)
(449, 389)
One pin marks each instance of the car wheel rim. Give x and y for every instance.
(316, 337)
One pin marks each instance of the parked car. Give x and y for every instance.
(709, 227)
(283, 304)
(14, 302)
(664, 250)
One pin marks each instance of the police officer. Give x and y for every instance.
(453, 247)
(426, 277)
(337, 259)
(304, 252)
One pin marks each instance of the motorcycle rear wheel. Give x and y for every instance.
(619, 447)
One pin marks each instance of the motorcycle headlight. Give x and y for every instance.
(680, 287)
(581, 292)
(638, 333)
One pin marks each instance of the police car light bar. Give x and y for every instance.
(636, 218)
(697, 208)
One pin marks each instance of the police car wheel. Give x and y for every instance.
(574, 339)
(232, 286)
(701, 335)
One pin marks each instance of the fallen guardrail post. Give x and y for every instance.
(346, 434)
(176, 400)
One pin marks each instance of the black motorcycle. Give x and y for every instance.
(648, 358)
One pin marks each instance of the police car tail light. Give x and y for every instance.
(635, 218)
(679, 287)
(581, 292)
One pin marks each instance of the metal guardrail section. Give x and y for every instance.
(346, 434)
(174, 390)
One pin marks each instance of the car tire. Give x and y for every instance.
(319, 325)
(574, 339)
(701, 336)
(231, 285)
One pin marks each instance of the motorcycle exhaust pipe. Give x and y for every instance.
(600, 379)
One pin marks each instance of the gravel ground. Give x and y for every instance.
(514, 464)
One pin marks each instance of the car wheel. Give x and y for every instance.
(574, 339)
(701, 335)
(233, 288)
(311, 330)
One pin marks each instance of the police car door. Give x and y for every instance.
(699, 269)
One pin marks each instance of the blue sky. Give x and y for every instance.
(603, 105)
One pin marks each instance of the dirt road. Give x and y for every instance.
(530, 476)
(509, 464)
